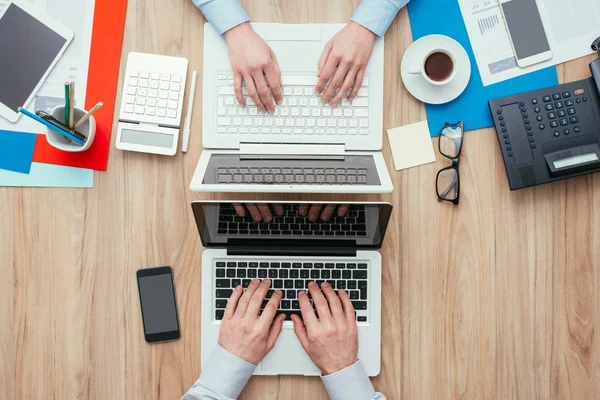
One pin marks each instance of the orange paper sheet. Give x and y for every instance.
(103, 76)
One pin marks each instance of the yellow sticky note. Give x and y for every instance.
(411, 145)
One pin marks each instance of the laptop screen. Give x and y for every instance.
(363, 224)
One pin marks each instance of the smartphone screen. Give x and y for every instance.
(525, 27)
(157, 298)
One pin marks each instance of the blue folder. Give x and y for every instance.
(16, 151)
(443, 17)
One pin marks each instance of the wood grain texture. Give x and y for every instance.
(494, 299)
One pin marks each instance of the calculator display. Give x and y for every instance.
(147, 138)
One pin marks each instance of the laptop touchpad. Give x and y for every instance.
(287, 41)
(288, 357)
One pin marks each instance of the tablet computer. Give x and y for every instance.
(31, 43)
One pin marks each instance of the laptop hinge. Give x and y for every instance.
(292, 148)
(291, 247)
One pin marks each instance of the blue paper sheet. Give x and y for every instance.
(49, 175)
(16, 150)
(444, 17)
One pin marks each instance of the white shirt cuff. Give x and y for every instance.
(226, 373)
(351, 383)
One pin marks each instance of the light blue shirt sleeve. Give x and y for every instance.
(351, 383)
(377, 15)
(222, 14)
(225, 375)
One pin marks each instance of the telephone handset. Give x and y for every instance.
(595, 65)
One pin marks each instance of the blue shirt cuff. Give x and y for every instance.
(223, 14)
(377, 15)
(226, 373)
(351, 383)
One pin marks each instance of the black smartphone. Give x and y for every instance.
(157, 299)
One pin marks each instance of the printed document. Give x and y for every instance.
(571, 26)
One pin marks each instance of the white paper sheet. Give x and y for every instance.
(571, 26)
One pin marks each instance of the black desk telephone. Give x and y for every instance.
(550, 134)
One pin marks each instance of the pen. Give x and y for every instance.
(42, 121)
(60, 125)
(188, 117)
(67, 102)
(87, 115)
(71, 104)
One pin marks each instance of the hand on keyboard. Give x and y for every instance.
(324, 210)
(252, 61)
(246, 334)
(331, 340)
(346, 55)
(259, 212)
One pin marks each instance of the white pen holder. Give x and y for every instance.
(87, 129)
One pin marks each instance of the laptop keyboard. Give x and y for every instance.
(311, 176)
(353, 224)
(301, 112)
(350, 170)
(291, 277)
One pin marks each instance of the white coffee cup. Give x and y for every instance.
(87, 129)
(420, 69)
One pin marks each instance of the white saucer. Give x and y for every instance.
(425, 91)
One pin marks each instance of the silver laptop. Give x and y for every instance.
(293, 251)
(305, 146)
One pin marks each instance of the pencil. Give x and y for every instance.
(87, 115)
(67, 103)
(72, 104)
(188, 117)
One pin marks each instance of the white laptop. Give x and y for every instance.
(292, 251)
(305, 147)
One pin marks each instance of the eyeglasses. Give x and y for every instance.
(448, 179)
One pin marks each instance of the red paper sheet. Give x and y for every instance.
(103, 77)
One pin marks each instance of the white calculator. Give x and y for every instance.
(152, 102)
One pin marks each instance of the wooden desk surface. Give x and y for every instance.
(497, 298)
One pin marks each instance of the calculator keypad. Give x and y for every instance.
(153, 94)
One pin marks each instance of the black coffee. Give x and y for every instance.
(439, 66)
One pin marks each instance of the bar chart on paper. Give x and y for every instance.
(491, 46)
(488, 24)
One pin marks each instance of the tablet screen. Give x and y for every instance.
(27, 49)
